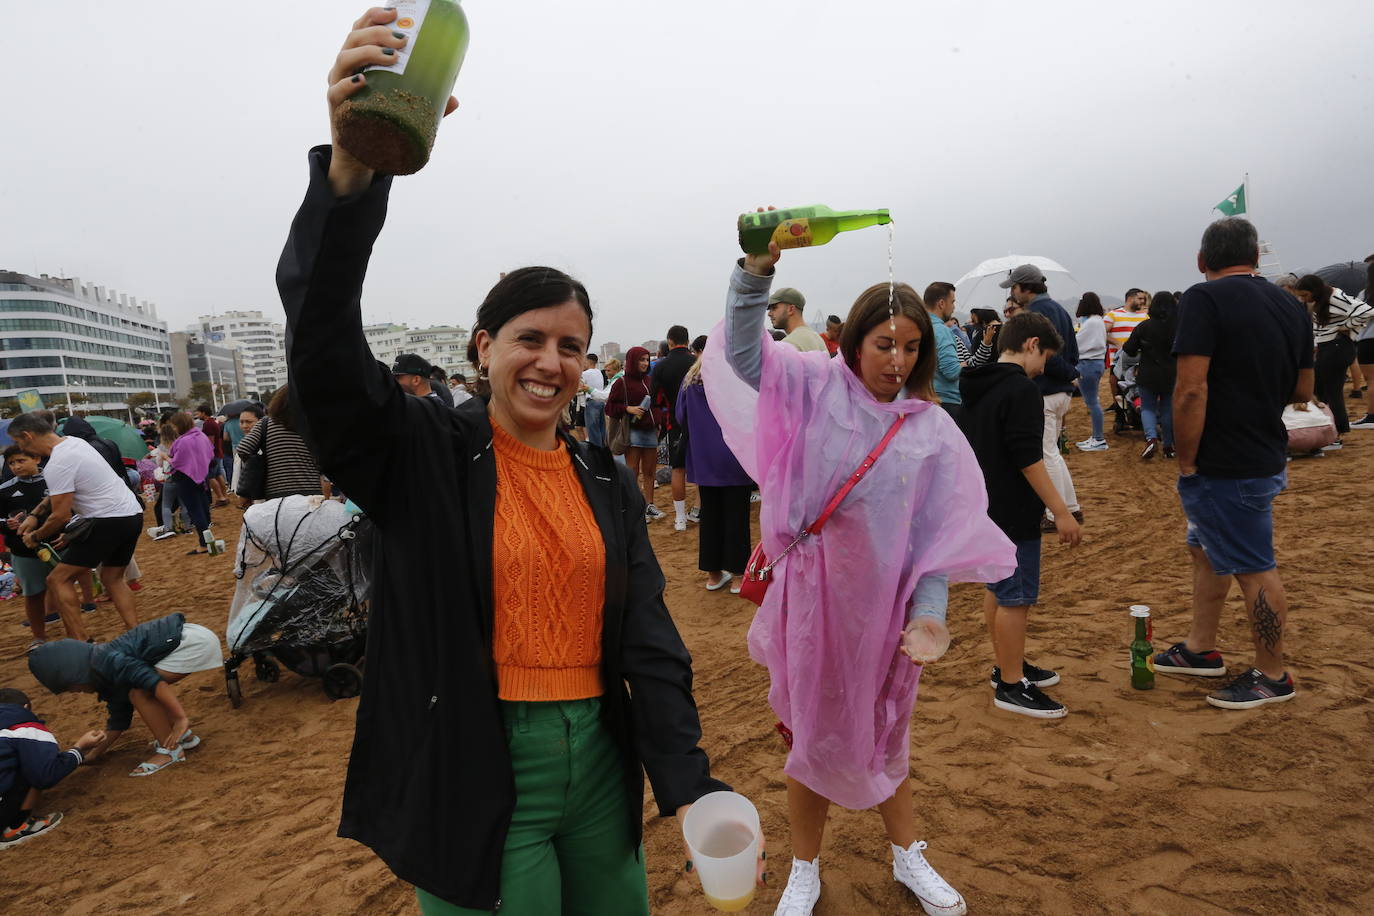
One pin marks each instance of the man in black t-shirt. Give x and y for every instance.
(665, 381)
(1244, 352)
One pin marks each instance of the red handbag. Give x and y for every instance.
(758, 572)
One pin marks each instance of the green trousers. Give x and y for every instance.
(569, 851)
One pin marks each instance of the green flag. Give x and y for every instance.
(1233, 205)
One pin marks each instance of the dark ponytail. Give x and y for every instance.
(1320, 291)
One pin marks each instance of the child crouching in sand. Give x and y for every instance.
(135, 671)
(30, 761)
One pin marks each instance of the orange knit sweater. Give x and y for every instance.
(549, 582)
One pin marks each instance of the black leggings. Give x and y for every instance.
(1333, 361)
(195, 501)
(724, 535)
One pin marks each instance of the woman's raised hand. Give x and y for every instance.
(370, 43)
(762, 264)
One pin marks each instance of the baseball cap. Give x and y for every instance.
(789, 295)
(410, 364)
(1026, 273)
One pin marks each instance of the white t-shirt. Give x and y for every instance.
(76, 468)
(594, 380)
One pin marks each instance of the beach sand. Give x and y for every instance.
(1137, 802)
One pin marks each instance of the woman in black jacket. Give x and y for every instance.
(1153, 341)
(442, 782)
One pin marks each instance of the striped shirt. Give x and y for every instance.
(1120, 323)
(1347, 314)
(291, 469)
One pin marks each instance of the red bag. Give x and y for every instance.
(758, 572)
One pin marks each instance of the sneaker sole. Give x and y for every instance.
(1048, 682)
(1192, 672)
(1251, 704)
(1059, 713)
(935, 909)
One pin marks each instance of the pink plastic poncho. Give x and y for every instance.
(829, 629)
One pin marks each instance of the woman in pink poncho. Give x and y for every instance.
(853, 611)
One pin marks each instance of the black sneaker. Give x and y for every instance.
(1179, 660)
(1027, 699)
(1040, 677)
(1253, 689)
(1365, 422)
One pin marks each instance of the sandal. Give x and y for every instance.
(34, 645)
(148, 769)
(188, 742)
(724, 581)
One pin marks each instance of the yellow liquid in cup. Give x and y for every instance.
(722, 842)
(730, 906)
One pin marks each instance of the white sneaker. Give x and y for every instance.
(679, 524)
(803, 889)
(652, 513)
(694, 514)
(937, 898)
(1093, 445)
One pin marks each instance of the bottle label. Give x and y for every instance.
(410, 15)
(793, 233)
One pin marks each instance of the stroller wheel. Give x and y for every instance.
(232, 687)
(342, 681)
(265, 670)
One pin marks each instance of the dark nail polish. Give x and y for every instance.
(688, 869)
(388, 51)
(357, 78)
(765, 877)
(764, 855)
(398, 34)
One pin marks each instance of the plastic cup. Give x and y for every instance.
(722, 833)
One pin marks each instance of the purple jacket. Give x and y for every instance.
(191, 454)
(710, 463)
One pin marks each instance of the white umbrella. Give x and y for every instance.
(1000, 269)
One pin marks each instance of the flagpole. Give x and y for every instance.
(1249, 207)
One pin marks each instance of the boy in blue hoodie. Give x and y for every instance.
(29, 762)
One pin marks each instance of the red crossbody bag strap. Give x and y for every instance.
(854, 478)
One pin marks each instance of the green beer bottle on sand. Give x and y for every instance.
(390, 124)
(1142, 650)
(802, 227)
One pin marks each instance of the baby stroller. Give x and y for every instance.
(302, 594)
(1126, 403)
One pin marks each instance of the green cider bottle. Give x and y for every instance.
(802, 227)
(1142, 649)
(390, 124)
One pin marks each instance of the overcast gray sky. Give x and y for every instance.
(163, 153)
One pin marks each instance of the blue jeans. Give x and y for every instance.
(1021, 588)
(1157, 410)
(1089, 381)
(1232, 520)
(595, 418)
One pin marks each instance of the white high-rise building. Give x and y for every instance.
(66, 338)
(445, 346)
(261, 342)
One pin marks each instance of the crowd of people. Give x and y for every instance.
(518, 627)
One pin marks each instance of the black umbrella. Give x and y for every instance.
(1350, 277)
(234, 408)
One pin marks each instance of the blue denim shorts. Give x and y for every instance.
(1021, 588)
(1232, 520)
